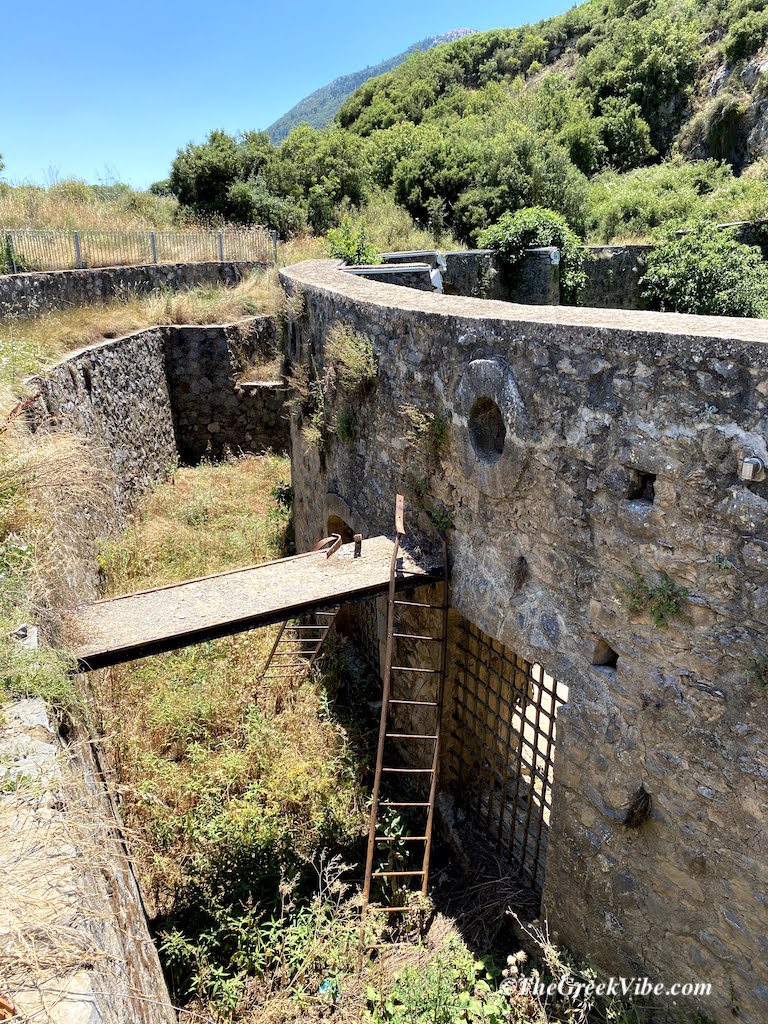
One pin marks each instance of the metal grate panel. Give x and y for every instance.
(503, 747)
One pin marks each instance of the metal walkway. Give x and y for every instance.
(121, 629)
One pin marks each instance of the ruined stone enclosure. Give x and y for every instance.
(609, 571)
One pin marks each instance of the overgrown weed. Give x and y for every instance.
(73, 204)
(328, 401)
(352, 357)
(662, 600)
(48, 483)
(429, 433)
(235, 786)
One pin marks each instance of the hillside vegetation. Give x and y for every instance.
(320, 107)
(619, 114)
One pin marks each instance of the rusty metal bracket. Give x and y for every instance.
(332, 543)
(400, 515)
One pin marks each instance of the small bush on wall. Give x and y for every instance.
(351, 355)
(706, 270)
(351, 244)
(662, 600)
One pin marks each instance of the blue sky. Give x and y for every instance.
(111, 90)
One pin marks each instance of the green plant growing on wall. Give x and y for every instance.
(350, 370)
(428, 433)
(662, 601)
(757, 671)
(352, 357)
(441, 516)
(346, 425)
(308, 403)
(723, 563)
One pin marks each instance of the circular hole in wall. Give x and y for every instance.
(487, 430)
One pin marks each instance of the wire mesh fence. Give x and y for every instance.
(23, 250)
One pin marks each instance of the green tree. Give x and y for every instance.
(252, 202)
(624, 134)
(706, 270)
(515, 232)
(202, 174)
(746, 36)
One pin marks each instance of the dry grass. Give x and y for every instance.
(60, 854)
(47, 482)
(201, 521)
(302, 247)
(263, 373)
(70, 205)
(390, 228)
(206, 753)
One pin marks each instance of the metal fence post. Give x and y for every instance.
(274, 246)
(153, 246)
(11, 253)
(78, 254)
(221, 246)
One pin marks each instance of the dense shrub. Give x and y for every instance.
(627, 206)
(706, 270)
(251, 202)
(526, 229)
(351, 244)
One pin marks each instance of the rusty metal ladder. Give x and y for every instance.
(298, 644)
(297, 647)
(401, 779)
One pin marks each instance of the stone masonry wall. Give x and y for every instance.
(615, 466)
(535, 281)
(115, 397)
(141, 403)
(214, 410)
(613, 277)
(35, 293)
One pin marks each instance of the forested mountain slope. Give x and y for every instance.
(617, 81)
(320, 107)
(620, 114)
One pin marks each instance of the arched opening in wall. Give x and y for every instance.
(337, 525)
(487, 430)
(501, 752)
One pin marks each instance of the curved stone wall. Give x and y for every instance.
(146, 401)
(619, 471)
